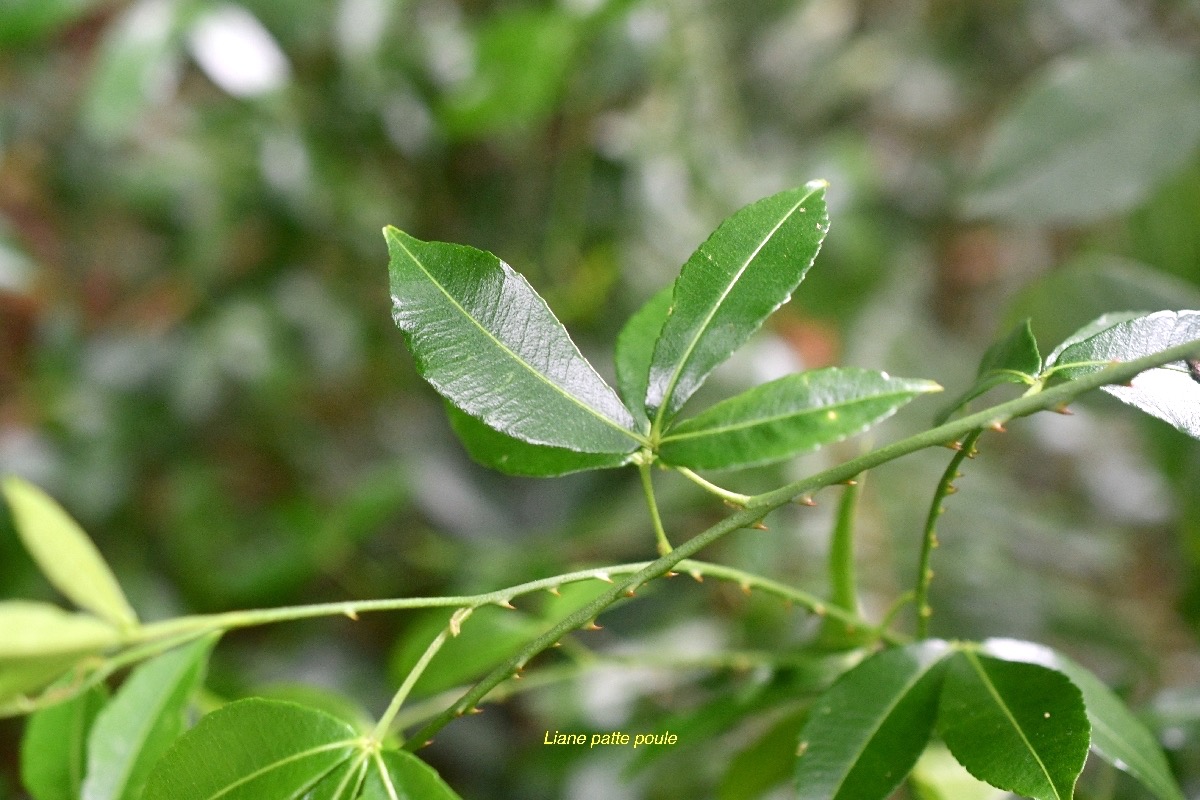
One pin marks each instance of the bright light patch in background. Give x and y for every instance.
(237, 53)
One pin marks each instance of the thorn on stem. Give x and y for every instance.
(630, 593)
(505, 603)
(998, 427)
(759, 526)
(351, 613)
(951, 488)
(671, 573)
(697, 576)
(475, 710)
(603, 576)
(745, 589)
(820, 610)
(806, 501)
(427, 743)
(592, 626)
(554, 591)
(850, 482)
(955, 445)
(1062, 409)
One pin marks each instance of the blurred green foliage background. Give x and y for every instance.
(197, 356)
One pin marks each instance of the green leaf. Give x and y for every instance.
(489, 344)
(252, 749)
(512, 456)
(1171, 392)
(937, 776)
(787, 416)
(1013, 359)
(26, 21)
(865, 733)
(1018, 726)
(54, 747)
(635, 350)
(766, 763)
(398, 775)
(1118, 736)
(65, 554)
(344, 782)
(1091, 138)
(22, 676)
(37, 630)
(144, 717)
(746, 269)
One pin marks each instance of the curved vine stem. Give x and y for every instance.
(660, 534)
(929, 541)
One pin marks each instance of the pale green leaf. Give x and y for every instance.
(1118, 736)
(397, 775)
(38, 630)
(251, 750)
(65, 554)
(787, 416)
(865, 733)
(54, 747)
(1020, 727)
(489, 344)
(1091, 137)
(746, 269)
(144, 717)
(1170, 392)
(1013, 359)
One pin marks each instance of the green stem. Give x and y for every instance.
(763, 504)
(660, 534)
(414, 674)
(843, 582)
(944, 489)
(739, 500)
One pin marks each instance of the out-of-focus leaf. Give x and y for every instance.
(514, 457)
(1013, 359)
(787, 416)
(937, 776)
(1117, 735)
(40, 630)
(766, 763)
(864, 734)
(397, 775)
(144, 717)
(522, 60)
(1018, 726)
(1091, 137)
(1171, 392)
(138, 65)
(250, 750)
(236, 52)
(26, 21)
(54, 747)
(746, 269)
(488, 343)
(635, 349)
(65, 554)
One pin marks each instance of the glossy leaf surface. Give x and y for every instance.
(1013, 359)
(144, 717)
(489, 344)
(745, 270)
(65, 554)
(250, 750)
(788, 416)
(402, 776)
(1092, 137)
(512, 456)
(54, 747)
(635, 349)
(1018, 726)
(1171, 392)
(1118, 736)
(865, 733)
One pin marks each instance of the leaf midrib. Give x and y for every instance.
(675, 437)
(274, 765)
(687, 354)
(639, 439)
(973, 660)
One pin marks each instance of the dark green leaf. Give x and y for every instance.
(1018, 726)
(396, 775)
(865, 733)
(1092, 137)
(1171, 392)
(745, 270)
(635, 349)
(490, 345)
(144, 717)
(1117, 735)
(766, 763)
(54, 747)
(250, 750)
(514, 457)
(787, 416)
(65, 554)
(1013, 359)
